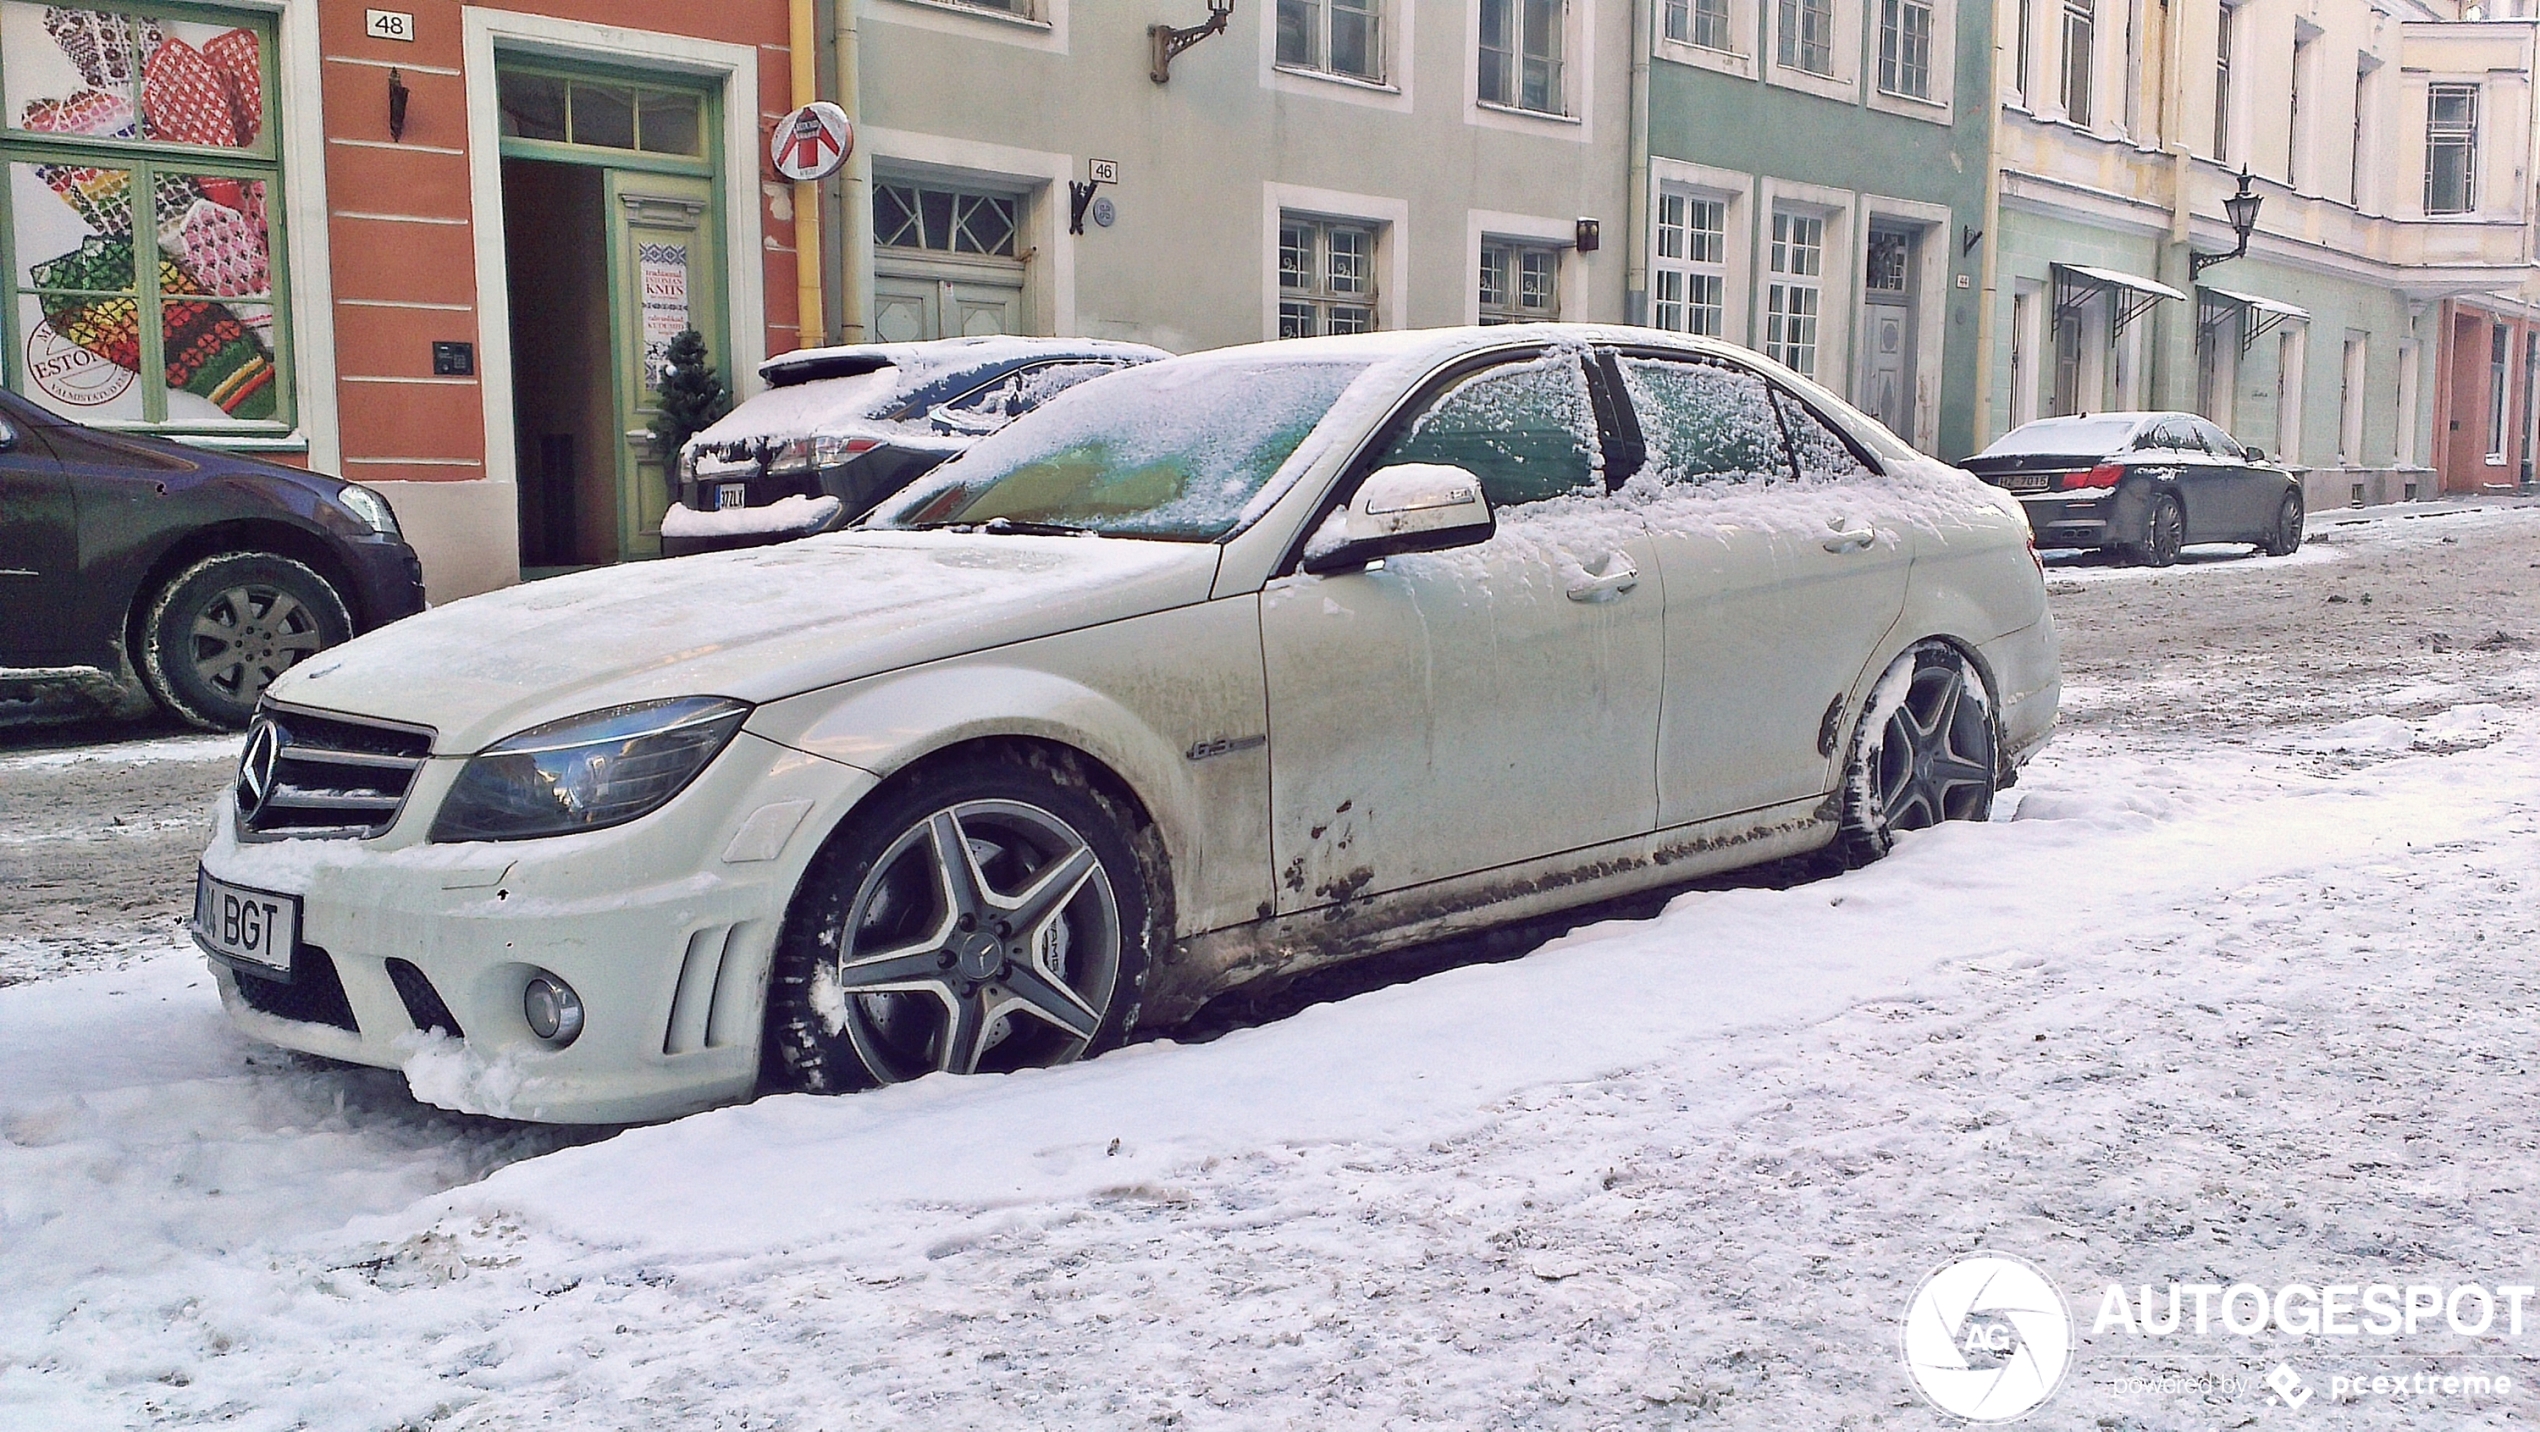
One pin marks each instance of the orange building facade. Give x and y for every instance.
(437, 249)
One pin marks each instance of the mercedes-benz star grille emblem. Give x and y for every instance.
(256, 766)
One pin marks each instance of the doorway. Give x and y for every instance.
(612, 246)
(1889, 298)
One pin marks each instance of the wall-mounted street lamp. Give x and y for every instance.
(397, 94)
(2242, 210)
(1165, 42)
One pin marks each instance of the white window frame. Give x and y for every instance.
(1580, 60)
(2302, 103)
(2498, 369)
(1046, 28)
(2292, 362)
(2362, 167)
(2089, 67)
(2478, 121)
(2411, 370)
(2230, 104)
(2027, 361)
(1738, 59)
(1932, 248)
(1049, 266)
(1732, 190)
(1845, 78)
(2356, 362)
(1394, 22)
(1533, 231)
(1941, 106)
(1390, 218)
(1839, 284)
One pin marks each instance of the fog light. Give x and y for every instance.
(553, 1009)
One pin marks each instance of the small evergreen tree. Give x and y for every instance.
(692, 395)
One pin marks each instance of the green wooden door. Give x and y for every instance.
(665, 274)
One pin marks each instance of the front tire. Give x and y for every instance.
(220, 631)
(2285, 538)
(1924, 751)
(996, 914)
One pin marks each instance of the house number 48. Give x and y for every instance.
(389, 24)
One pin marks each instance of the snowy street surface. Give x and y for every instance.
(2239, 986)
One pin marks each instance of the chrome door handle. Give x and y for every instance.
(1619, 576)
(1856, 540)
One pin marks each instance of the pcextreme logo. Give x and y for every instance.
(1988, 1338)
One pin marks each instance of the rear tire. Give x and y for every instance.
(221, 630)
(2164, 533)
(1925, 751)
(2286, 537)
(897, 960)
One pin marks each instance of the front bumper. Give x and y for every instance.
(665, 926)
(2027, 669)
(387, 581)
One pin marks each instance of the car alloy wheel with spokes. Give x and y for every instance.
(221, 630)
(988, 919)
(2164, 533)
(1926, 752)
(2286, 539)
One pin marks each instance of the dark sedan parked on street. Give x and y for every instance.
(2144, 484)
(133, 569)
(839, 429)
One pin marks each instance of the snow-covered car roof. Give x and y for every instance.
(854, 389)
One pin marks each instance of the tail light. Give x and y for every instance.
(2106, 474)
(831, 451)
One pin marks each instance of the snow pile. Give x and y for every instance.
(796, 513)
(2456, 728)
(131, 753)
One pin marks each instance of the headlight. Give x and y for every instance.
(370, 507)
(598, 769)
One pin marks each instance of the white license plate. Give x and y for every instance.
(731, 495)
(254, 928)
(2025, 482)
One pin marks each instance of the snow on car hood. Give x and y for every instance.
(759, 624)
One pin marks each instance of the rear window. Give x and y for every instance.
(2065, 437)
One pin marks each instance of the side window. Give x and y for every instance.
(1705, 422)
(1528, 431)
(1037, 385)
(2218, 442)
(2152, 439)
(1821, 452)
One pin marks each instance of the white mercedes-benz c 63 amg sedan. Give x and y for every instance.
(1212, 670)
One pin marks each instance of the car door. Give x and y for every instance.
(1785, 565)
(39, 550)
(2244, 496)
(1451, 712)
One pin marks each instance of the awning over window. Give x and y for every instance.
(2256, 314)
(2130, 296)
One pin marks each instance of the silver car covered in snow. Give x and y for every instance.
(1213, 669)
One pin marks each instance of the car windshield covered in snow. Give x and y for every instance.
(1175, 450)
(2083, 436)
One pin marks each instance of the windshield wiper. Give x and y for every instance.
(1005, 526)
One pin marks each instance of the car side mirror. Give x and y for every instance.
(1410, 507)
(2256, 454)
(8, 438)
(947, 419)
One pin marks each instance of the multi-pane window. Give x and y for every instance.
(1699, 22)
(2451, 149)
(601, 113)
(949, 221)
(1519, 282)
(142, 208)
(1805, 36)
(1885, 270)
(2295, 140)
(1521, 54)
(1327, 277)
(1341, 37)
(1791, 298)
(2356, 162)
(2024, 67)
(2080, 21)
(2224, 23)
(1691, 268)
(1905, 47)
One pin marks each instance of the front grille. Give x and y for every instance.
(424, 1004)
(315, 994)
(329, 776)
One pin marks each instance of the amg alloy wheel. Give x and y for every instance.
(1924, 752)
(988, 917)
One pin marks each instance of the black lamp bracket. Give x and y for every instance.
(1080, 197)
(1165, 42)
(2243, 210)
(397, 96)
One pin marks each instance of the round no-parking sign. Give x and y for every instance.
(812, 142)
